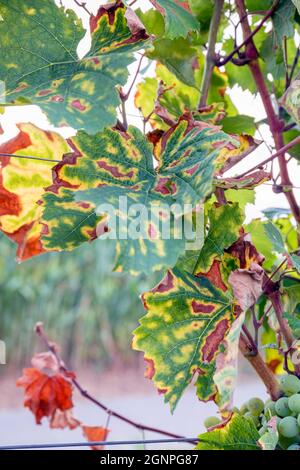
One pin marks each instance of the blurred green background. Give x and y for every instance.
(88, 310)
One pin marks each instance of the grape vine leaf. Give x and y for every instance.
(275, 237)
(218, 238)
(291, 100)
(179, 21)
(262, 242)
(178, 56)
(297, 5)
(237, 433)
(187, 319)
(178, 97)
(240, 124)
(22, 183)
(283, 18)
(39, 63)
(294, 323)
(114, 164)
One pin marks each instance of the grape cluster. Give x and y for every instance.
(286, 409)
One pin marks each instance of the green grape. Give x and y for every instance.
(211, 421)
(254, 419)
(288, 427)
(298, 420)
(269, 408)
(290, 384)
(294, 403)
(294, 447)
(244, 409)
(282, 407)
(255, 406)
(285, 442)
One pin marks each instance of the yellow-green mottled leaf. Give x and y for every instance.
(39, 63)
(187, 319)
(112, 164)
(22, 183)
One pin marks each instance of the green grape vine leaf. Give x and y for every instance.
(39, 63)
(179, 21)
(112, 164)
(237, 433)
(218, 238)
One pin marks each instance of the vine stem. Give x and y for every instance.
(39, 329)
(260, 367)
(276, 126)
(211, 52)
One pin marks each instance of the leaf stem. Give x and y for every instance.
(260, 367)
(211, 52)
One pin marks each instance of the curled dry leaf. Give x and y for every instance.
(95, 434)
(45, 361)
(247, 285)
(45, 394)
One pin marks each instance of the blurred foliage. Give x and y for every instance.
(85, 308)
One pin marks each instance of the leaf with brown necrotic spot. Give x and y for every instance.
(187, 320)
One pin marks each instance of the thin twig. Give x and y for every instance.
(280, 152)
(51, 347)
(268, 14)
(126, 95)
(83, 5)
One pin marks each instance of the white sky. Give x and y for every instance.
(244, 101)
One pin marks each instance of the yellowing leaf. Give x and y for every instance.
(22, 183)
(187, 319)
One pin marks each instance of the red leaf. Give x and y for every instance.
(45, 394)
(64, 419)
(95, 434)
